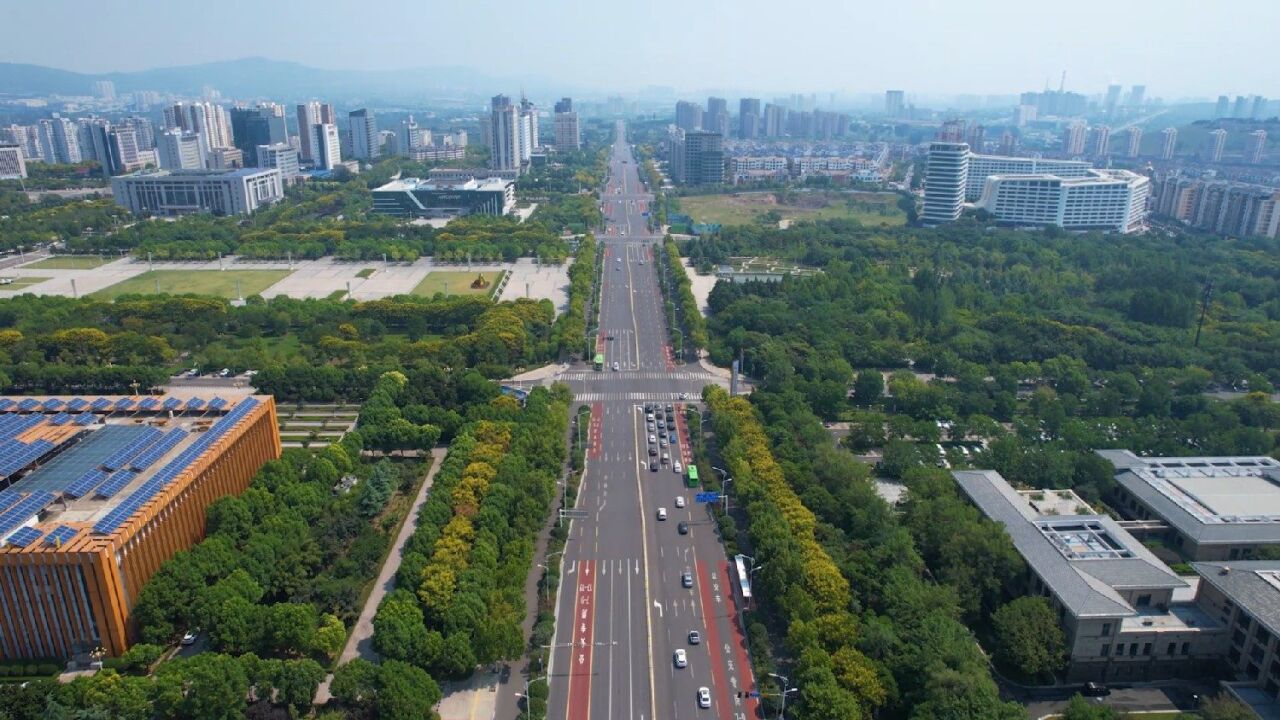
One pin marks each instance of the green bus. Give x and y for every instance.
(599, 361)
(691, 478)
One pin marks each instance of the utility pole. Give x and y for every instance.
(1204, 309)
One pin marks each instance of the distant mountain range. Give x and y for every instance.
(258, 77)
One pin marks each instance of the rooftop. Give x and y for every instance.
(73, 466)
(235, 172)
(1210, 499)
(413, 183)
(1253, 585)
(1085, 560)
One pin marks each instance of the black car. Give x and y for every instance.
(653, 451)
(653, 466)
(1095, 689)
(670, 409)
(682, 528)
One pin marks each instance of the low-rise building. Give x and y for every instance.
(1124, 613)
(183, 192)
(1215, 508)
(1114, 200)
(417, 198)
(1245, 598)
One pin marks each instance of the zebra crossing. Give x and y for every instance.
(631, 375)
(626, 397)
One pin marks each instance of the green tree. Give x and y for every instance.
(296, 684)
(1224, 707)
(1028, 636)
(331, 635)
(868, 387)
(207, 686)
(407, 692)
(1078, 708)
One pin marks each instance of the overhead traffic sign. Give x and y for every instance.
(707, 497)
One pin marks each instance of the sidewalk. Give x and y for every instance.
(360, 642)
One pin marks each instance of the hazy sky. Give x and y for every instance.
(1176, 47)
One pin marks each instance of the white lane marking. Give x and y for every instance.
(658, 606)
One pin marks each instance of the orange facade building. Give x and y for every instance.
(87, 522)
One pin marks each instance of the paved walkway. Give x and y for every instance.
(360, 642)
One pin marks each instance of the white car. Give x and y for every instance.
(662, 513)
(704, 698)
(679, 499)
(190, 637)
(677, 468)
(681, 659)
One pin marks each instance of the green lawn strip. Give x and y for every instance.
(456, 282)
(68, 262)
(219, 283)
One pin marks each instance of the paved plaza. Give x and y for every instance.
(363, 280)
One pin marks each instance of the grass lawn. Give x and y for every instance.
(69, 262)
(22, 283)
(746, 208)
(456, 282)
(366, 272)
(221, 283)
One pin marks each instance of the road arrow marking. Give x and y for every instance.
(658, 605)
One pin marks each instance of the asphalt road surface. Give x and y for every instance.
(623, 610)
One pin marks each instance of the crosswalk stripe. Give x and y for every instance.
(620, 396)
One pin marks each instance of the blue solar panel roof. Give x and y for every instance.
(77, 404)
(101, 404)
(29, 404)
(24, 510)
(25, 536)
(148, 404)
(52, 404)
(124, 404)
(60, 535)
(6, 403)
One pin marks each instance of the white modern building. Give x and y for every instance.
(282, 157)
(945, 178)
(12, 165)
(417, 198)
(1113, 200)
(184, 192)
(983, 166)
(326, 145)
(180, 150)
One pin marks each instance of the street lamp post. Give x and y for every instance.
(525, 694)
(725, 479)
(786, 690)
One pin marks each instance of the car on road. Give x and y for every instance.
(648, 416)
(677, 468)
(1095, 689)
(682, 660)
(652, 428)
(684, 396)
(615, 366)
(686, 579)
(653, 451)
(641, 262)
(682, 528)
(653, 466)
(695, 637)
(662, 442)
(662, 513)
(190, 637)
(704, 697)
(679, 501)
(648, 407)
(653, 439)
(669, 409)
(666, 458)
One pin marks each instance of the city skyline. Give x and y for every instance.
(563, 41)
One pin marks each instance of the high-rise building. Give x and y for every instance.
(1137, 96)
(1219, 206)
(1008, 143)
(688, 116)
(748, 118)
(208, 120)
(60, 140)
(716, 119)
(115, 148)
(179, 150)
(530, 136)
(12, 164)
(1259, 107)
(1257, 143)
(103, 89)
(27, 138)
(364, 134)
(504, 134)
(327, 144)
(410, 137)
(945, 180)
(568, 134)
(1169, 144)
(775, 119)
(977, 137)
(701, 157)
(950, 131)
(1073, 139)
(894, 103)
(1217, 143)
(144, 129)
(228, 158)
(282, 157)
(263, 125)
(1241, 108)
(1099, 140)
(309, 114)
(1223, 108)
(980, 167)
(1113, 98)
(1134, 145)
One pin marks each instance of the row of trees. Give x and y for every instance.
(921, 655)
(681, 289)
(799, 586)
(571, 326)
(459, 590)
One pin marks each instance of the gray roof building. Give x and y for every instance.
(1086, 561)
(1209, 501)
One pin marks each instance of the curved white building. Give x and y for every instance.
(1114, 200)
